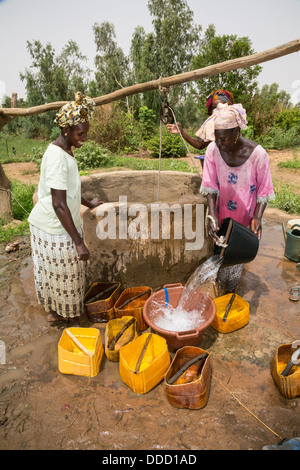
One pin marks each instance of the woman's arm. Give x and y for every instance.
(196, 142)
(59, 202)
(212, 226)
(256, 225)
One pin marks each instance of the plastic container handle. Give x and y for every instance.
(166, 297)
(178, 284)
(189, 333)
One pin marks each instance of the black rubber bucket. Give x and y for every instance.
(242, 244)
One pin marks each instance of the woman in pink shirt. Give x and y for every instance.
(236, 178)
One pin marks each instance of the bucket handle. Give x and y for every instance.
(189, 333)
(284, 230)
(295, 225)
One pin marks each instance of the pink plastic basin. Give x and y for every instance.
(178, 339)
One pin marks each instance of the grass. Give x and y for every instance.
(287, 198)
(293, 164)
(22, 204)
(7, 233)
(23, 148)
(133, 163)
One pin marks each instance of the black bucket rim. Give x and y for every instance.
(229, 258)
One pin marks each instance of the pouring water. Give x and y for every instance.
(193, 300)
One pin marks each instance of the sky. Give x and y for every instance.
(268, 23)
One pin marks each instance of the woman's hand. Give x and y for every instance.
(256, 226)
(172, 128)
(212, 228)
(212, 220)
(96, 202)
(82, 252)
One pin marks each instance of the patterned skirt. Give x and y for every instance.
(59, 276)
(230, 276)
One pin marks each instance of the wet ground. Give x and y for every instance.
(40, 408)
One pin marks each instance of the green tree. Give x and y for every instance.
(214, 49)
(112, 65)
(52, 78)
(265, 106)
(166, 51)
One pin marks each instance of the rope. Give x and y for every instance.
(247, 409)
(187, 149)
(8, 191)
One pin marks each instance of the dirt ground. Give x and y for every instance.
(28, 172)
(43, 409)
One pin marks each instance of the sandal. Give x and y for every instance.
(295, 293)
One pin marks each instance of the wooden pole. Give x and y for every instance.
(167, 82)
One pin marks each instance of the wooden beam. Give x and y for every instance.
(166, 82)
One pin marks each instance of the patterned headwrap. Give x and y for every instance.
(223, 117)
(76, 112)
(222, 95)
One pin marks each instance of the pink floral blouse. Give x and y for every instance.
(238, 188)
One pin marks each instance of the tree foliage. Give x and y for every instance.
(51, 78)
(175, 45)
(166, 51)
(265, 106)
(213, 49)
(112, 65)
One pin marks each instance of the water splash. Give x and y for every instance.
(189, 313)
(200, 281)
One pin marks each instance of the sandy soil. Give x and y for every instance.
(40, 408)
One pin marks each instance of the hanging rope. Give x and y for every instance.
(187, 149)
(167, 116)
(9, 192)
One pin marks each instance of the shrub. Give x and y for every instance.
(147, 122)
(172, 145)
(288, 118)
(22, 199)
(92, 155)
(37, 153)
(112, 128)
(280, 139)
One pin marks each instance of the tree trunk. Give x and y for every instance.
(6, 211)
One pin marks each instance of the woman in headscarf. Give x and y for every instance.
(236, 178)
(58, 249)
(213, 99)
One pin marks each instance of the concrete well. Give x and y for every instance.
(136, 240)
